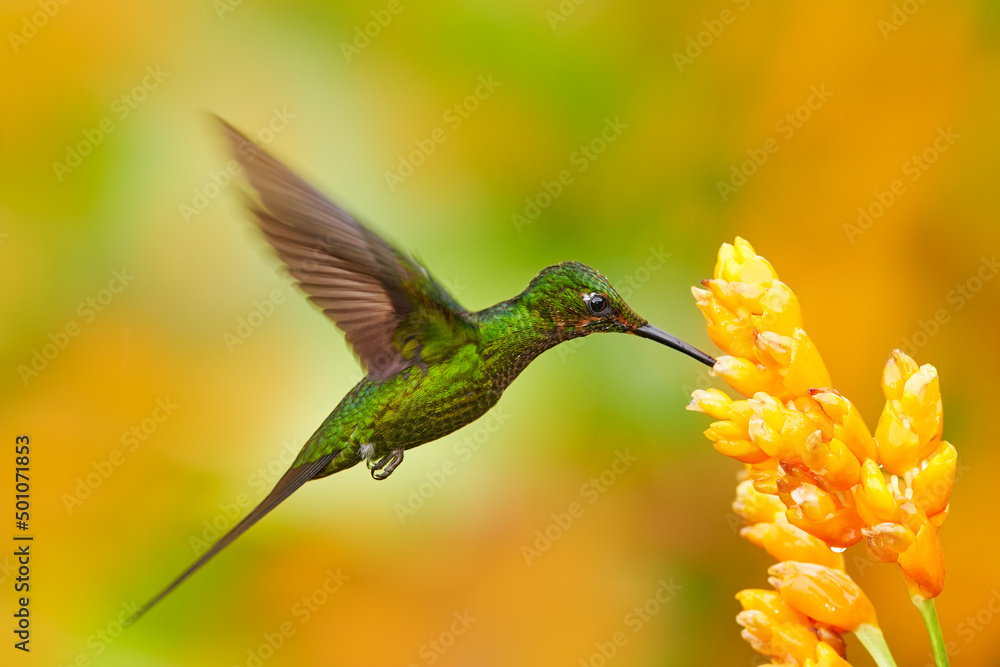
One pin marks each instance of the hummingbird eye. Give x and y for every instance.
(598, 304)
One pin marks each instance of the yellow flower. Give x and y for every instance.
(808, 446)
(826, 656)
(775, 629)
(825, 515)
(909, 435)
(874, 499)
(909, 429)
(794, 455)
(768, 528)
(739, 263)
(822, 593)
(931, 485)
(848, 427)
(771, 605)
(748, 377)
(923, 561)
(905, 501)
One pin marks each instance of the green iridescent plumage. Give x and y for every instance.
(432, 367)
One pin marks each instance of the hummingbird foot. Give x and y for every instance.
(384, 466)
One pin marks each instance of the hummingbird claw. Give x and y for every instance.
(384, 466)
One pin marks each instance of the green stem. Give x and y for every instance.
(927, 611)
(872, 639)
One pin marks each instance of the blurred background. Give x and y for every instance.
(167, 372)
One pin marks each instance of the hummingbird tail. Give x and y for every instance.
(290, 481)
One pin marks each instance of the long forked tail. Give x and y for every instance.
(289, 482)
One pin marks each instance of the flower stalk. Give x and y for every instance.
(873, 640)
(927, 612)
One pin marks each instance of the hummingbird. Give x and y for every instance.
(431, 366)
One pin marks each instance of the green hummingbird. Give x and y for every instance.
(432, 366)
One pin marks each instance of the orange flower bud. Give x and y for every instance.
(795, 431)
(832, 461)
(755, 507)
(728, 329)
(826, 656)
(757, 630)
(774, 350)
(771, 604)
(722, 291)
(815, 452)
(816, 503)
(850, 427)
(793, 642)
(748, 378)
(810, 407)
(724, 430)
(785, 641)
(749, 295)
(833, 640)
(779, 310)
(764, 476)
(739, 263)
(806, 369)
(822, 593)
(784, 541)
(730, 439)
(897, 371)
(733, 336)
(765, 436)
(887, 540)
(921, 402)
(775, 629)
(937, 519)
(840, 529)
(713, 311)
(912, 419)
(873, 497)
(898, 446)
(712, 402)
(741, 450)
(923, 562)
(932, 485)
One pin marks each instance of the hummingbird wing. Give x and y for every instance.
(383, 299)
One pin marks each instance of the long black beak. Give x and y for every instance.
(661, 336)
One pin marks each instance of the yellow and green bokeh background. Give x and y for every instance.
(564, 421)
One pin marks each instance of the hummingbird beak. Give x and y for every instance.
(661, 336)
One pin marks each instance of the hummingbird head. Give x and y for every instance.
(579, 301)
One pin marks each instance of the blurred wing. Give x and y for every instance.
(367, 287)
